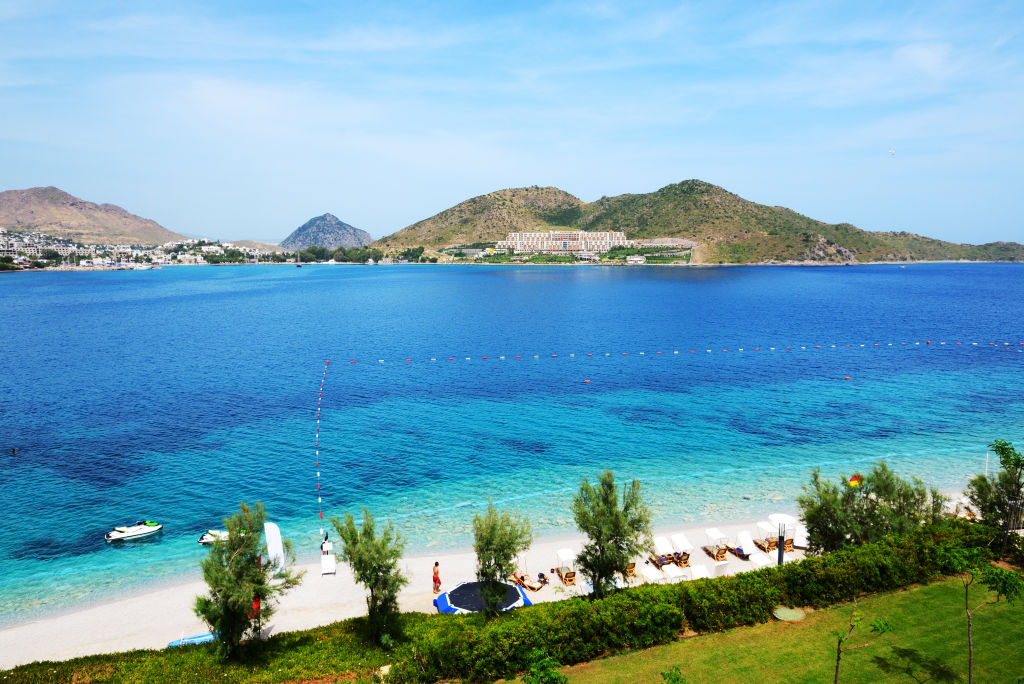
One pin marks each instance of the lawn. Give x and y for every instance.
(928, 644)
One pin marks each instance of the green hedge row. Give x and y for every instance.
(475, 648)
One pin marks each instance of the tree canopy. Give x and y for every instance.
(616, 532)
(498, 537)
(373, 556)
(839, 515)
(243, 581)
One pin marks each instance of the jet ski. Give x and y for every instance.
(211, 536)
(142, 528)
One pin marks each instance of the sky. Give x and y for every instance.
(237, 120)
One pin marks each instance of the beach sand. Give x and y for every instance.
(152, 619)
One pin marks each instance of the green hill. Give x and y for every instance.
(728, 228)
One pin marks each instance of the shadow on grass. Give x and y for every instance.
(916, 665)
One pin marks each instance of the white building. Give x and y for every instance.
(564, 242)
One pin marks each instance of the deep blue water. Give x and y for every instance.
(175, 394)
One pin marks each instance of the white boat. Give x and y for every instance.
(142, 528)
(211, 536)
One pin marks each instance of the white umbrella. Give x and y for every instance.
(565, 558)
(767, 528)
(662, 547)
(715, 536)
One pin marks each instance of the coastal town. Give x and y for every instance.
(36, 250)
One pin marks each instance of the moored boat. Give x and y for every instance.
(211, 536)
(142, 528)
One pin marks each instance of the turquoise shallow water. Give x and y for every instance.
(174, 394)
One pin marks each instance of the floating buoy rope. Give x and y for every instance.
(1002, 346)
(319, 493)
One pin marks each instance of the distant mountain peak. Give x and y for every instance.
(326, 231)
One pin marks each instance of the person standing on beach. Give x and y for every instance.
(437, 577)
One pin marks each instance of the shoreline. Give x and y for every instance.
(582, 263)
(158, 615)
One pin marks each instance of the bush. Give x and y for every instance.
(576, 630)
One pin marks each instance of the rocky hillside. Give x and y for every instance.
(326, 231)
(489, 218)
(728, 228)
(55, 212)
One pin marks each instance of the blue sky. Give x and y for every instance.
(243, 120)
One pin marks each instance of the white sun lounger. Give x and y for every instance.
(746, 542)
(651, 575)
(673, 572)
(681, 543)
(328, 564)
(760, 560)
(662, 547)
(699, 572)
(800, 540)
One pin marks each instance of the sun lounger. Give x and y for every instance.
(527, 582)
(721, 568)
(717, 546)
(328, 564)
(682, 547)
(663, 553)
(566, 557)
(744, 546)
(631, 569)
(699, 572)
(767, 536)
(651, 575)
(673, 572)
(760, 560)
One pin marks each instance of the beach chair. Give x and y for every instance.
(651, 575)
(767, 536)
(744, 546)
(526, 582)
(721, 568)
(663, 553)
(717, 546)
(673, 573)
(682, 548)
(630, 569)
(566, 558)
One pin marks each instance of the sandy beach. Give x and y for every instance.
(151, 620)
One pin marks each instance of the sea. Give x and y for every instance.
(174, 394)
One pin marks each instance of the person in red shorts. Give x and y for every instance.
(437, 577)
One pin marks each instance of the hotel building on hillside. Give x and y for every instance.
(563, 242)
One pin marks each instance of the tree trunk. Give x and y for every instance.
(970, 640)
(839, 655)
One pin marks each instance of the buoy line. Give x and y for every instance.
(1002, 346)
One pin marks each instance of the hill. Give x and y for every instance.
(326, 231)
(51, 210)
(728, 228)
(256, 244)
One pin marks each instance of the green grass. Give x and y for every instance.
(928, 644)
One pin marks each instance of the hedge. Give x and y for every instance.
(477, 648)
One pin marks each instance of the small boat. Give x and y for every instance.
(142, 528)
(210, 536)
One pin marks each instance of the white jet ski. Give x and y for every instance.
(142, 528)
(211, 536)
